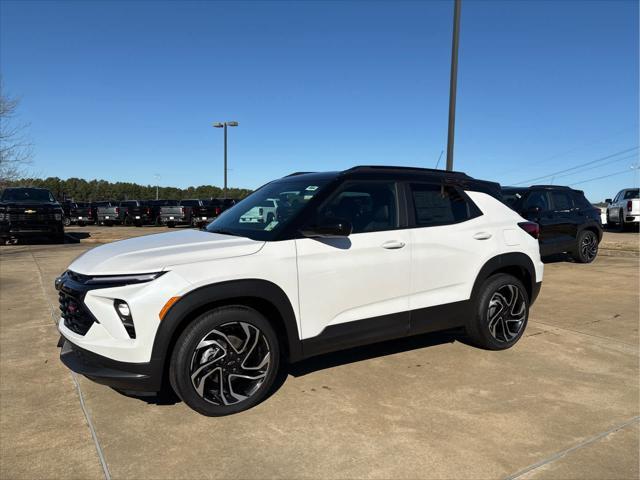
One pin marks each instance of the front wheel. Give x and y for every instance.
(502, 313)
(226, 361)
(586, 248)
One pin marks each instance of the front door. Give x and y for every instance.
(354, 290)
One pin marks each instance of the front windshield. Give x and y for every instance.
(27, 195)
(268, 210)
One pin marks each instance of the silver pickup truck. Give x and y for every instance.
(192, 212)
(108, 214)
(624, 209)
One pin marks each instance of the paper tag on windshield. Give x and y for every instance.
(271, 226)
(312, 188)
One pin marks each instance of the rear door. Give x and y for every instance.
(537, 208)
(355, 289)
(565, 220)
(447, 243)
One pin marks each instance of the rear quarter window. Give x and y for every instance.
(435, 205)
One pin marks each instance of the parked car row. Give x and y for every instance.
(194, 212)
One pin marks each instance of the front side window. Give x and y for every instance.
(435, 205)
(562, 201)
(268, 210)
(369, 206)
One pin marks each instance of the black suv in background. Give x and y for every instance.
(30, 212)
(568, 222)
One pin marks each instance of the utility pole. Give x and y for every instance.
(225, 125)
(453, 82)
(157, 175)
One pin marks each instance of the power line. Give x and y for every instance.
(604, 176)
(578, 166)
(597, 166)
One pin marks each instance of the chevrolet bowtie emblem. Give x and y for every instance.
(29, 211)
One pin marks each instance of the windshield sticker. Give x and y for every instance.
(271, 226)
(312, 188)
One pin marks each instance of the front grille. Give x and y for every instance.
(76, 316)
(31, 217)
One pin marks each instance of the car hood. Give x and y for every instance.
(153, 253)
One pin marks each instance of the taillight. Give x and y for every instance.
(148, 211)
(217, 211)
(531, 228)
(117, 210)
(629, 205)
(182, 210)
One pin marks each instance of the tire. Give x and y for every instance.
(194, 223)
(127, 221)
(586, 247)
(608, 219)
(66, 221)
(81, 224)
(199, 387)
(158, 221)
(171, 224)
(495, 326)
(270, 218)
(621, 225)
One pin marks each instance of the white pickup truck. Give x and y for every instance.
(624, 209)
(265, 212)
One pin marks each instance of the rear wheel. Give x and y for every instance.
(226, 361)
(587, 247)
(502, 312)
(66, 221)
(171, 224)
(621, 225)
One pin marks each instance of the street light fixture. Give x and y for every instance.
(225, 125)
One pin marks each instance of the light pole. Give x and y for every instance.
(157, 176)
(225, 125)
(453, 81)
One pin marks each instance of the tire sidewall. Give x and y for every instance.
(580, 257)
(482, 333)
(179, 374)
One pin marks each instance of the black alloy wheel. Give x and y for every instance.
(502, 312)
(226, 361)
(587, 247)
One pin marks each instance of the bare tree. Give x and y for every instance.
(16, 151)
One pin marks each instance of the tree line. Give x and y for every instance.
(81, 190)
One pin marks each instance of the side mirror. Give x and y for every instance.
(608, 200)
(328, 228)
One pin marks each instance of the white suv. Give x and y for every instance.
(353, 257)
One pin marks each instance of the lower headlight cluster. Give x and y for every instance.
(124, 312)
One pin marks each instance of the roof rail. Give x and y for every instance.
(362, 168)
(296, 173)
(560, 187)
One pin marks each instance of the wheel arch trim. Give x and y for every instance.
(258, 289)
(503, 262)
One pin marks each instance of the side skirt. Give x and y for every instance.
(387, 327)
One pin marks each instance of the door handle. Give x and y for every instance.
(482, 236)
(393, 245)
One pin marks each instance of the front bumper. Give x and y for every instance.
(139, 377)
(26, 229)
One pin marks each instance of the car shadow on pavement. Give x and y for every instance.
(322, 362)
(376, 350)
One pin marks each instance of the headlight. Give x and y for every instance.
(123, 279)
(104, 281)
(58, 216)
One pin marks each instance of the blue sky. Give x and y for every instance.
(125, 90)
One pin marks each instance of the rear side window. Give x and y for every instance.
(562, 201)
(581, 201)
(440, 205)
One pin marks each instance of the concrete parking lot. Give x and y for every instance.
(563, 403)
